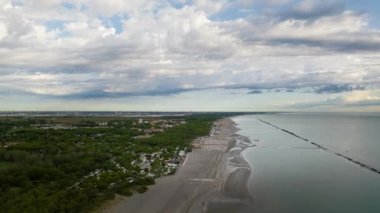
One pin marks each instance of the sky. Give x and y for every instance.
(190, 55)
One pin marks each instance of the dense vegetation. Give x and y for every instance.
(75, 167)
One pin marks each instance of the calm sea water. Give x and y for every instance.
(291, 175)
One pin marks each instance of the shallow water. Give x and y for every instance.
(292, 175)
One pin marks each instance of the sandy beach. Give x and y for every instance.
(212, 178)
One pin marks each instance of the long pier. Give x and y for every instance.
(361, 164)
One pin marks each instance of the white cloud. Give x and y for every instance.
(247, 3)
(360, 96)
(110, 8)
(162, 48)
(210, 6)
(3, 31)
(358, 100)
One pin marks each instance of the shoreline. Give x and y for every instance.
(213, 178)
(234, 195)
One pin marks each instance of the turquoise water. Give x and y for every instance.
(292, 175)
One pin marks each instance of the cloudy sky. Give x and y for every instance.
(199, 55)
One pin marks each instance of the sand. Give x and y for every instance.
(213, 178)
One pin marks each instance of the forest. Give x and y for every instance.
(74, 164)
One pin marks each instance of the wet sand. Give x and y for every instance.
(211, 179)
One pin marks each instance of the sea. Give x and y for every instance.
(315, 162)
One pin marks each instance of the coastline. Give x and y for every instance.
(213, 178)
(233, 195)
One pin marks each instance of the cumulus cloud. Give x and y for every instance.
(210, 6)
(345, 32)
(75, 49)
